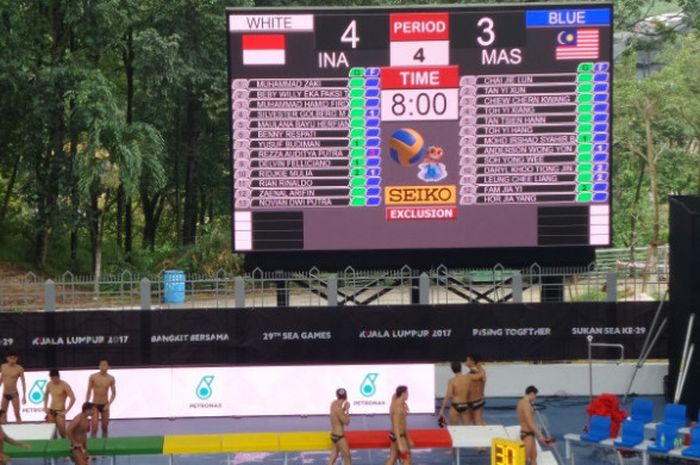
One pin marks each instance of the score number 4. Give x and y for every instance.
(349, 36)
(488, 37)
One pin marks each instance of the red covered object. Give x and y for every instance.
(608, 405)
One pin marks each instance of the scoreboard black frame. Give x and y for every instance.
(421, 136)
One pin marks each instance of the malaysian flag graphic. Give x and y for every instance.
(263, 49)
(577, 44)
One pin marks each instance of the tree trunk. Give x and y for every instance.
(98, 253)
(654, 180)
(176, 172)
(47, 190)
(74, 248)
(74, 201)
(189, 221)
(96, 227)
(202, 206)
(124, 222)
(93, 227)
(635, 211)
(10, 188)
(128, 228)
(129, 71)
(48, 168)
(120, 214)
(41, 247)
(98, 261)
(149, 226)
(152, 212)
(656, 226)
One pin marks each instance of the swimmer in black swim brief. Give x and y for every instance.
(529, 432)
(457, 394)
(461, 407)
(56, 413)
(11, 377)
(340, 417)
(78, 454)
(477, 404)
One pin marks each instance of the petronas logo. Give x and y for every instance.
(204, 389)
(367, 387)
(36, 392)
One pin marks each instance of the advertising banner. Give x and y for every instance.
(244, 391)
(324, 335)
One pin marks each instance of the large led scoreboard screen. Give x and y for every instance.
(439, 130)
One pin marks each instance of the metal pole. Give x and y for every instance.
(685, 374)
(590, 359)
(643, 357)
(547, 435)
(691, 320)
(589, 338)
(619, 346)
(653, 323)
(653, 341)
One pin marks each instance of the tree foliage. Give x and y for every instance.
(656, 141)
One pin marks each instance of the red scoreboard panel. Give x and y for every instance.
(420, 136)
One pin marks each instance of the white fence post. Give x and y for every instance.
(517, 281)
(332, 292)
(49, 296)
(239, 289)
(145, 293)
(423, 289)
(611, 278)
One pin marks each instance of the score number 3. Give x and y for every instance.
(488, 35)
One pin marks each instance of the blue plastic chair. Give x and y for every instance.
(665, 438)
(642, 410)
(632, 434)
(694, 449)
(674, 415)
(598, 429)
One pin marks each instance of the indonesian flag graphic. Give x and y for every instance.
(263, 49)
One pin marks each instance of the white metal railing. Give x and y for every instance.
(614, 277)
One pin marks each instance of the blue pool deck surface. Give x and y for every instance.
(560, 415)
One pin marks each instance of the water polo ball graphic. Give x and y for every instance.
(407, 147)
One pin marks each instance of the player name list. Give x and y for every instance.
(291, 142)
(518, 138)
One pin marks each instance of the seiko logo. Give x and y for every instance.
(413, 195)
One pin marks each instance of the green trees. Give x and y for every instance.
(114, 116)
(656, 142)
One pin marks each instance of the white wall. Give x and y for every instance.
(567, 379)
